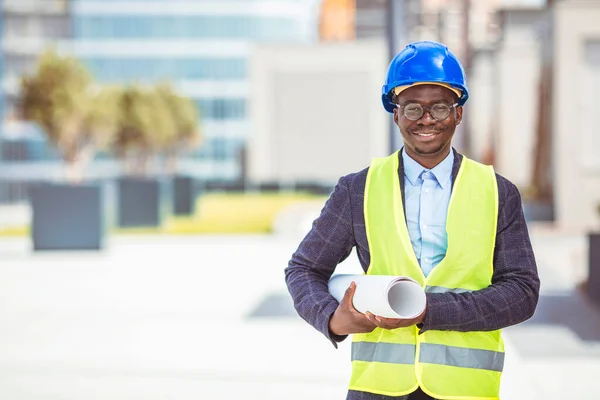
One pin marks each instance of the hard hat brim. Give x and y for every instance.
(399, 89)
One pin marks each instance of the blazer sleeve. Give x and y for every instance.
(328, 243)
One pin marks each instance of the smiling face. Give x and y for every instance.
(427, 140)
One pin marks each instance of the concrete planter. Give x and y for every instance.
(67, 217)
(593, 284)
(185, 190)
(140, 202)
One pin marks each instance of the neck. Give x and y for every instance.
(429, 161)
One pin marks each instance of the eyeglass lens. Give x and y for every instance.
(414, 111)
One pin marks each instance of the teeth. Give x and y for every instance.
(425, 134)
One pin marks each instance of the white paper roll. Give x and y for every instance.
(382, 295)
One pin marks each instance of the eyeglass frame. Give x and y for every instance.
(428, 109)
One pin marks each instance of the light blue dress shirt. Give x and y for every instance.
(427, 195)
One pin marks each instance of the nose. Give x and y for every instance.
(426, 118)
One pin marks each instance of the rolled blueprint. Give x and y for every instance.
(383, 295)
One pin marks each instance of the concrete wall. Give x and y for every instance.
(316, 111)
(576, 147)
(517, 80)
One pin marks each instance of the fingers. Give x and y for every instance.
(389, 323)
(365, 324)
(348, 296)
(346, 320)
(376, 320)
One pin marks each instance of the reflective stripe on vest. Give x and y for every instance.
(392, 353)
(445, 364)
(461, 357)
(430, 353)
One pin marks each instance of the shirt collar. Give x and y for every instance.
(442, 171)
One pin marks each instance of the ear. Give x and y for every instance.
(396, 115)
(458, 116)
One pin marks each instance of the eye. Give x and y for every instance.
(439, 108)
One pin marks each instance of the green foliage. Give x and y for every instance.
(134, 121)
(146, 120)
(56, 96)
(164, 124)
(185, 117)
(152, 120)
(101, 119)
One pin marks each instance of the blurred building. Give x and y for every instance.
(336, 20)
(516, 79)
(201, 46)
(545, 73)
(361, 19)
(371, 19)
(576, 136)
(1, 74)
(316, 111)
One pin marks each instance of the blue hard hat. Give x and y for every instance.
(424, 62)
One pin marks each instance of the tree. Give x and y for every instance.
(101, 118)
(58, 96)
(185, 117)
(144, 127)
(151, 121)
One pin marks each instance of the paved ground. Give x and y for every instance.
(559, 348)
(208, 317)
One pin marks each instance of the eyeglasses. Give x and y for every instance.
(414, 111)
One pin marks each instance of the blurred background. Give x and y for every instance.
(160, 160)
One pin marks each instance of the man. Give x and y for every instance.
(427, 212)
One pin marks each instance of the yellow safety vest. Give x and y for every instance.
(445, 364)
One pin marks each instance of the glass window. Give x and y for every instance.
(18, 26)
(55, 27)
(184, 27)
(117, 70)
(17, 65)
(222, 108)
(220, 149)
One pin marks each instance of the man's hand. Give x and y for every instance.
(395, 323)
(346, 320)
